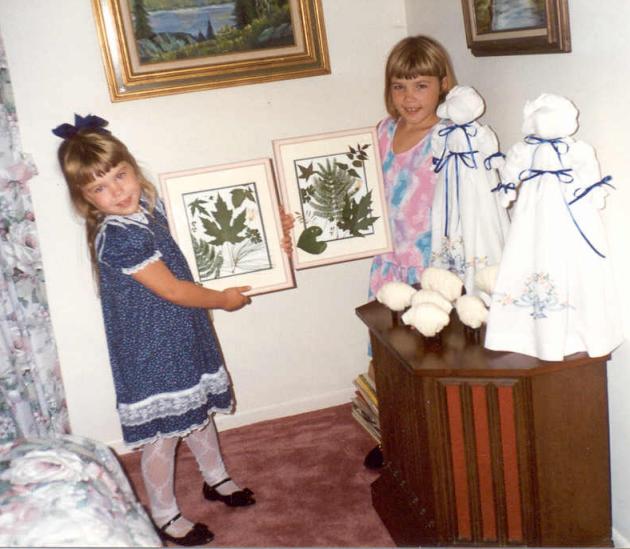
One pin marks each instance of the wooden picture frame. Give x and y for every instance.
(167, 51)
(332, 183)
(226, 220)
(542, 28)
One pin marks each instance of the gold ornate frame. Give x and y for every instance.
(129, 79)
(555, 37)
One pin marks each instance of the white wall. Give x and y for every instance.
(288, 352)
(595, 77)
(56, 69)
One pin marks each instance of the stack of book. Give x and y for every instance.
(365, 406)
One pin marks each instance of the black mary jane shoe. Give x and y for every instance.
(197, 535)
(240, 498)
(374, 458)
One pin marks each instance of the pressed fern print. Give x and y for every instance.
(227, 232)
(334, 198)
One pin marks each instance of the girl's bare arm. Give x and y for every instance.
(158, 278)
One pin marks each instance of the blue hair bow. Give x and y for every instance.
(90, 122)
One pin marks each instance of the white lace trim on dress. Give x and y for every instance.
(131, 270)
(175, 403)
(179, 434)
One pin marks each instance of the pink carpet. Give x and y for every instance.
(307, 472)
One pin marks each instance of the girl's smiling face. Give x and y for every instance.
(115, 193)
(416, 99)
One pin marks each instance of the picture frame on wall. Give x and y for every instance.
(332, 184)
(160, 47)
(513, 27)
(226, 220)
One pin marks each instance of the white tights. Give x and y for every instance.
(158, 472)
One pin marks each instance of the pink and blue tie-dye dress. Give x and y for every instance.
(409, 181)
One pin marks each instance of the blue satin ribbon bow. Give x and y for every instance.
(90, 122)
(466, 157)
(505, 187)
(561, 147)
(563, 176)
(487, 162)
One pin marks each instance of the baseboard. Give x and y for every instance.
(283, 409)
(619, 540)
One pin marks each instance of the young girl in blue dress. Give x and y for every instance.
(167, 367)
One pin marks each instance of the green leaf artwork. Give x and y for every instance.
(335, 199)
(196, 206)
(306, 171)
(329, 189)
(240, 195)
(308, 240)
(356, 217)
(208, 259)
(225, 229)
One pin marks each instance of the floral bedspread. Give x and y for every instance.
(68, 491)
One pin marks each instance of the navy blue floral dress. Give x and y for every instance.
(166, 362)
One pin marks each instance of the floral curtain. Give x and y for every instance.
(32, 402)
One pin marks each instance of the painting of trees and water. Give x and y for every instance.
(506, 15)
(227, 232)
(336, 202)
(171, 30)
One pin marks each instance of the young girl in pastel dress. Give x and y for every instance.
(167, 367)
(418, 76)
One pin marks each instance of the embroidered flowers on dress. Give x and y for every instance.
(540, 295)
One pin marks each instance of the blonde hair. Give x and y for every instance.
(417, 56)
(83, 157)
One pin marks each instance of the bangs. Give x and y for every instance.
(87, 161)
(413, 66)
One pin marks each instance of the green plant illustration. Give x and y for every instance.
(227, 240)
(335, 198)
(246, 257)
(224, 228)
(357, 157)
(308, 240)
(355, 216)
(240, 195)
(331, 185)
(209, 260)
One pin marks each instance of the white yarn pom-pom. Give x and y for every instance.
(485, 279)
(471, 311)
(427, 318)
(431, 296)
(395, 295)
(442, 281)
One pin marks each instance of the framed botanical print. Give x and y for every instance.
(226, 220)
(509, 27)
(159, 47)
(332, 183)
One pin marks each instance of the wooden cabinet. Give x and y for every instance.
(487, 448)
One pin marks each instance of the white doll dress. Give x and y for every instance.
(554, 293)
(468, 224)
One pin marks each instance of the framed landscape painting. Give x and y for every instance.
(226, 220)
(508, 27)
(158, 47)
(333, 186)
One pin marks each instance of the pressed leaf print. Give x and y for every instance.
(334, 197)
(227, 231)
